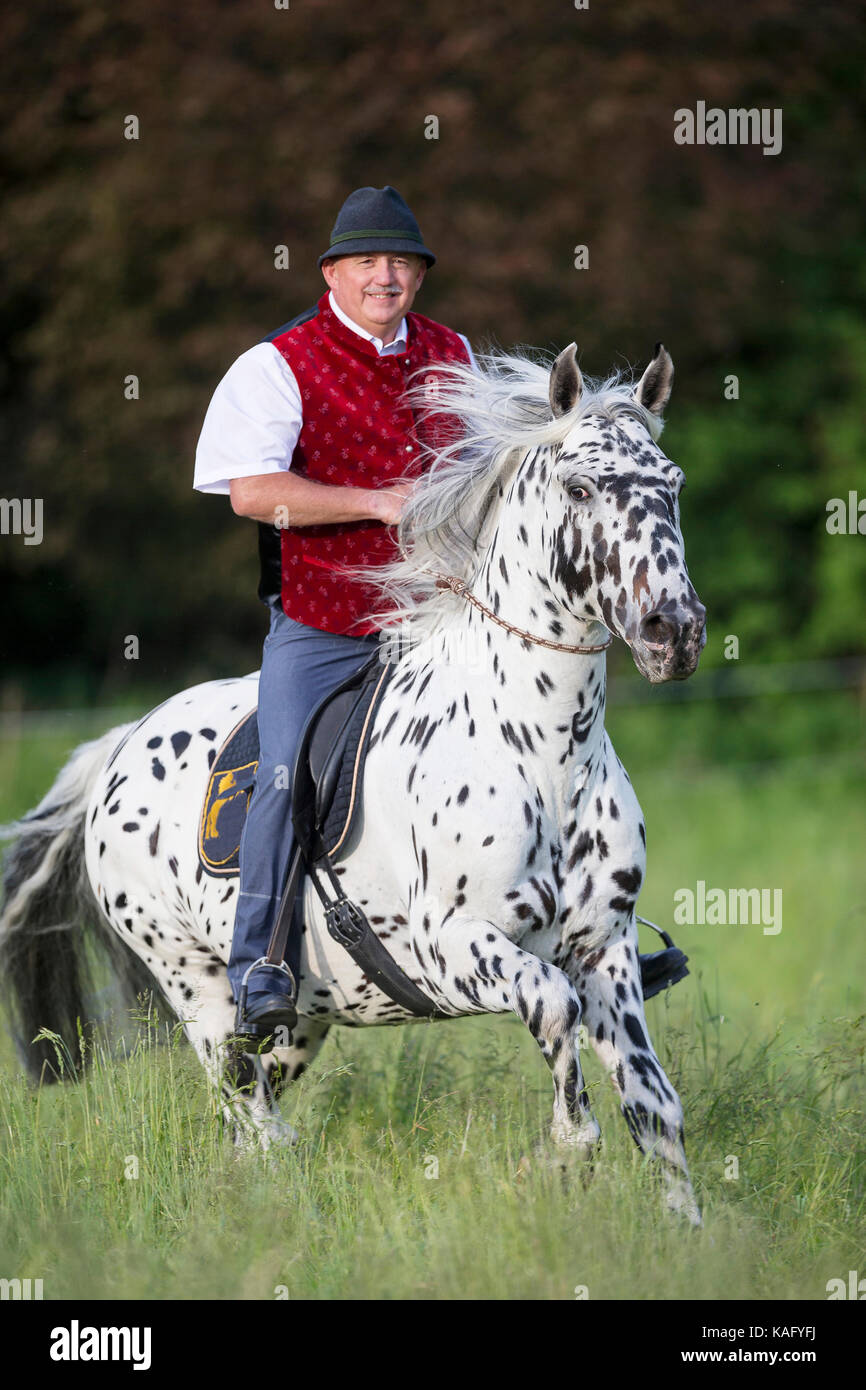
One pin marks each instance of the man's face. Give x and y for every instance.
(376, 288)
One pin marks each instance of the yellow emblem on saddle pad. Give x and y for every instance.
(227, 799)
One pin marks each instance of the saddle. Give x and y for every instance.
(326, 796)
(326, 782)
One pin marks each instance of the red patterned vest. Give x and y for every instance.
(355, 434)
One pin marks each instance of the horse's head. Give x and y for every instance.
(612, 506)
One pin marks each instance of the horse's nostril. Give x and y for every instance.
(657, 630)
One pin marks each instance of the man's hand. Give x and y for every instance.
(389, 502)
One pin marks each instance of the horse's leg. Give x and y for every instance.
(239, 1081)
(248, 1086)
(272, 1074)
(481, 970)
(285, 1064)
(610, 986)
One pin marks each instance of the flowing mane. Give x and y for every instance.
(492, 417)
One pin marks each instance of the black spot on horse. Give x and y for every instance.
(628, 879)
(581, 849)
(635, 1032)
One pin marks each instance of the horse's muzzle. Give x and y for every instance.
(670, 641)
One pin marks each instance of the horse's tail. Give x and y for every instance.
(50, 919)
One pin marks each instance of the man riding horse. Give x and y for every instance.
(308, 433)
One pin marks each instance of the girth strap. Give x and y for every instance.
(348, 925)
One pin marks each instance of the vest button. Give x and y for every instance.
(409, 449)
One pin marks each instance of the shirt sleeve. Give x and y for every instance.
(465, 341)
(252, 423)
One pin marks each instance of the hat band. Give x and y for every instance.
(375, 231)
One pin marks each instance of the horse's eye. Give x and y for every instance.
(580, 494)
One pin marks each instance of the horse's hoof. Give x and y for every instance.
(260, 1138)
(683, 1204)
(524, 1168)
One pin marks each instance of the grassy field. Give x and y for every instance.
(408, 1181)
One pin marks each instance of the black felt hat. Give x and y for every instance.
(376, 219)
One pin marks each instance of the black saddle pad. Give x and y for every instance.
(329, 773)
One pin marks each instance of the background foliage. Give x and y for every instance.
(155, 258)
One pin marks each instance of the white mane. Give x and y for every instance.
(496, 415)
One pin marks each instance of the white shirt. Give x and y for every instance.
(255, 415)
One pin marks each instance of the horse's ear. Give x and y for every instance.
(566, 383)
(653, 391)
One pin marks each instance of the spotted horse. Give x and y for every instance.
(503, 848)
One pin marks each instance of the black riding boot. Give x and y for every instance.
(266, 1003)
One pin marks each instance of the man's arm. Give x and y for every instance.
(289, 499)
(245, 449)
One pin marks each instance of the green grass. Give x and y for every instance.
(765, 1042)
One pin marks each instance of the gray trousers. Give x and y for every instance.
(299, 665)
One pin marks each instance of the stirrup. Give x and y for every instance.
(666, 968)
(253, 1032)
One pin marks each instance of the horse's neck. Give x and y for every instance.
(560, 693)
